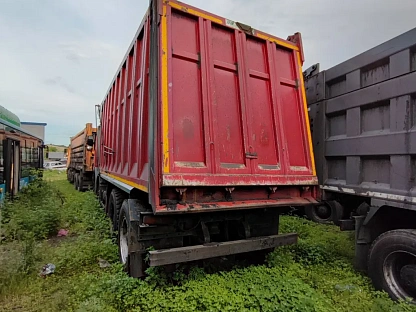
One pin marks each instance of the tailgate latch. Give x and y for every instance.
(251, 155)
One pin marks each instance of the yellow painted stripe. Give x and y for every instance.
(165, 111)
(279, 42)
(305, 106)
(132, 184)
(194, 12)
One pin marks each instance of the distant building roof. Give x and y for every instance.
(9, 119)
(31, 123)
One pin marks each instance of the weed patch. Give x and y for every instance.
(35, 214)
(314, 275)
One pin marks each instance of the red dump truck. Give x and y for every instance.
(204, 139)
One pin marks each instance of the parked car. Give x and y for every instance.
(55, 165)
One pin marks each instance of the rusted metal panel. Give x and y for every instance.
(413, 59)
(81, 154)
(210, 250)
(375, 72)
(242, 180)
(364, 132)
(373, 55)
(387, 90)
(234, 205)
(315, 91)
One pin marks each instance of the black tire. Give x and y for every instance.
(114, 205)
(337, 211)
(320, 214)
(70, 176)
(331, 212)
(76, 181)
(80, 182)
(102, 193)
(97, 186)
(102, 198)
(106, 197)
(133, 260)
(392, 263)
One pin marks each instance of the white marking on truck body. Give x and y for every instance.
(407, 199)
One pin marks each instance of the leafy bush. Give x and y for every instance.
(83, 214)
(249, 289)
(82, 252)
(324, 240)
(34, 214)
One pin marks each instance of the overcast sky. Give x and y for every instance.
(58, 57)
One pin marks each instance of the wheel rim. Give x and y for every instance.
(123, 242)
(399, 269)
(322, 212)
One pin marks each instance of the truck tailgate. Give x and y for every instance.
(233, 104)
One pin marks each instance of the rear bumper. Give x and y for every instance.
(212, 250)
(178, 180)
(235, 205)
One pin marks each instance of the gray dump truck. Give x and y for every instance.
(363, 121)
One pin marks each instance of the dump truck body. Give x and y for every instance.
(205, 115)
(227, 110)
(80, 163)
(363, 120)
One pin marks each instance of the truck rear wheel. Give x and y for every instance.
(337, 211)
(103, 195)
(326, 213)
(114, 205)
(76, 181)
(70, 176)
(97, 186)
(392, 263)
(131, 256)
(319, 214)
(80, 183)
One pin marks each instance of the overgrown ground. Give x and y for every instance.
(315, 275)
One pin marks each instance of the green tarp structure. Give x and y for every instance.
(9, 117)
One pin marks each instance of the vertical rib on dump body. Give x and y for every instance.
(208, 114)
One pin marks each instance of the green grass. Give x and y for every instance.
(315, 275)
